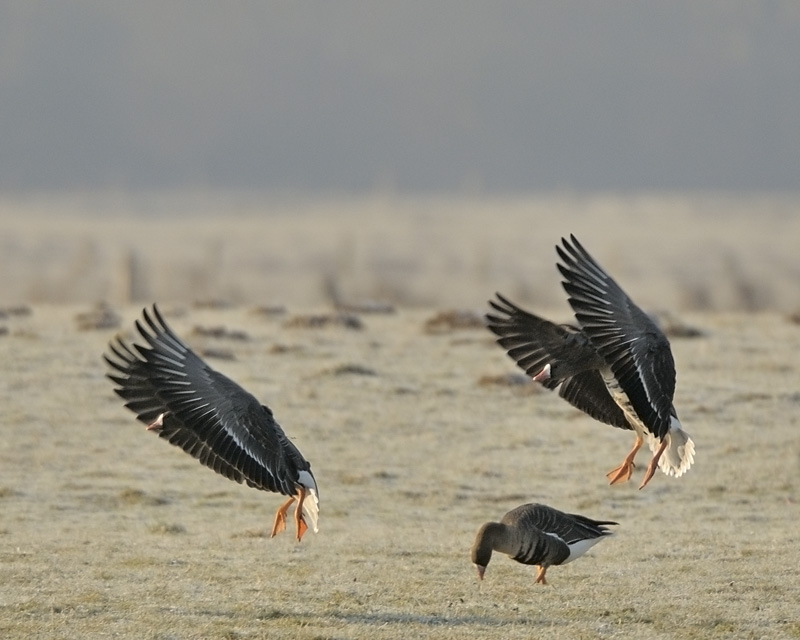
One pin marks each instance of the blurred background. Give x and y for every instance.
(422, 153)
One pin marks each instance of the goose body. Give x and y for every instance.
(616, 365)
(536, 534)
(192, 406)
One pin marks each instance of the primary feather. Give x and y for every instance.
(194, 407)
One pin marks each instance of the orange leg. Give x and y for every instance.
(623, 472)
(280, 518)
(302, 527)
(651, 468)
(540, 579)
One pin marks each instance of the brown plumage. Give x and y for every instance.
(540, 535)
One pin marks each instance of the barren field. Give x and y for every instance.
(416, 430)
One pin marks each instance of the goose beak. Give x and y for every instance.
(481, 571)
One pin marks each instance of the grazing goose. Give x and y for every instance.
(540, 535)
(616, 365)
(175, 393)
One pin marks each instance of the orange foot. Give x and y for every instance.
(280, 518)
(300, 522)
(622, 473)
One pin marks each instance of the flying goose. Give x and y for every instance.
(189, 404)
(616, 365)
(540, 535)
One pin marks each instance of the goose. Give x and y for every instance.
(539, 535)
(192, 406)
(616, 365)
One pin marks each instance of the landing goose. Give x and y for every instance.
(540, 535)
(616, 365)
(189, 404)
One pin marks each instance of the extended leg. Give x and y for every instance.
(623, 472)
(302, 527)
(651, 468)
(280, 517)
(540, 579)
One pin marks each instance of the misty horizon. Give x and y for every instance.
(414, 97)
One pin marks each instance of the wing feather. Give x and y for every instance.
(534, 342)
(205, 413)
(632, 345)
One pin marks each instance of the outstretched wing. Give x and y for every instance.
(533, 343)
(202, 411)
(631, 344)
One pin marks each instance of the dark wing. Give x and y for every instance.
(538, 544)
(533, 342)
(569, 527)
(584, 528)
(140, 394)
(588, 392)
(635, 349)
(206, 414)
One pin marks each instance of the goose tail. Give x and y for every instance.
(678, 455)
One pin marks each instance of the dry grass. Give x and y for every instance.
(454, 320)
(108, 531)
(417, 437)
(698, 252)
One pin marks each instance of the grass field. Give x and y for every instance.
(107, 531)
(415, 436)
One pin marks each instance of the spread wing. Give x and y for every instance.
(202, 411)
(631, 344)
(533, 343)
